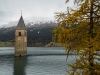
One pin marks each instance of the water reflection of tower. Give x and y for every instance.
(19, 65)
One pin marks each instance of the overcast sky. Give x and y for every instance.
(32, 10)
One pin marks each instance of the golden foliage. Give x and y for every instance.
(80, 32)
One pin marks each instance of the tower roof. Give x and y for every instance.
(21, 24)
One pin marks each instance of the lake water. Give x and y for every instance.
(39, 61)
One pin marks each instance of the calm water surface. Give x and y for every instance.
(39, 61)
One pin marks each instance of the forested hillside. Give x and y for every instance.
(38, 34)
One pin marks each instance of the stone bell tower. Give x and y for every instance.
(21, 38)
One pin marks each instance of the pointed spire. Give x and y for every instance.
(21, 24)
(21, 12)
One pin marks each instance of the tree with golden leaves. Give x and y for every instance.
(79, 30)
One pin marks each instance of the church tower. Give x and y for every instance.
(21, 38)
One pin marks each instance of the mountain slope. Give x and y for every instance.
(38, 34)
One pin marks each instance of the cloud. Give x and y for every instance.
(5, 17)
(32, 10)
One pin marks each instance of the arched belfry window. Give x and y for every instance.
(19, 33)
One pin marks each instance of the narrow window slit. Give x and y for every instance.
(19, 33)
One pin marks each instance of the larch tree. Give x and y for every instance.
(79, 31)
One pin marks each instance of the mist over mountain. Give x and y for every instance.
(38, 33)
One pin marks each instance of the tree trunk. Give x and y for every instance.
(91, 61)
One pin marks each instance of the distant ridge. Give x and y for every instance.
(39, 34)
